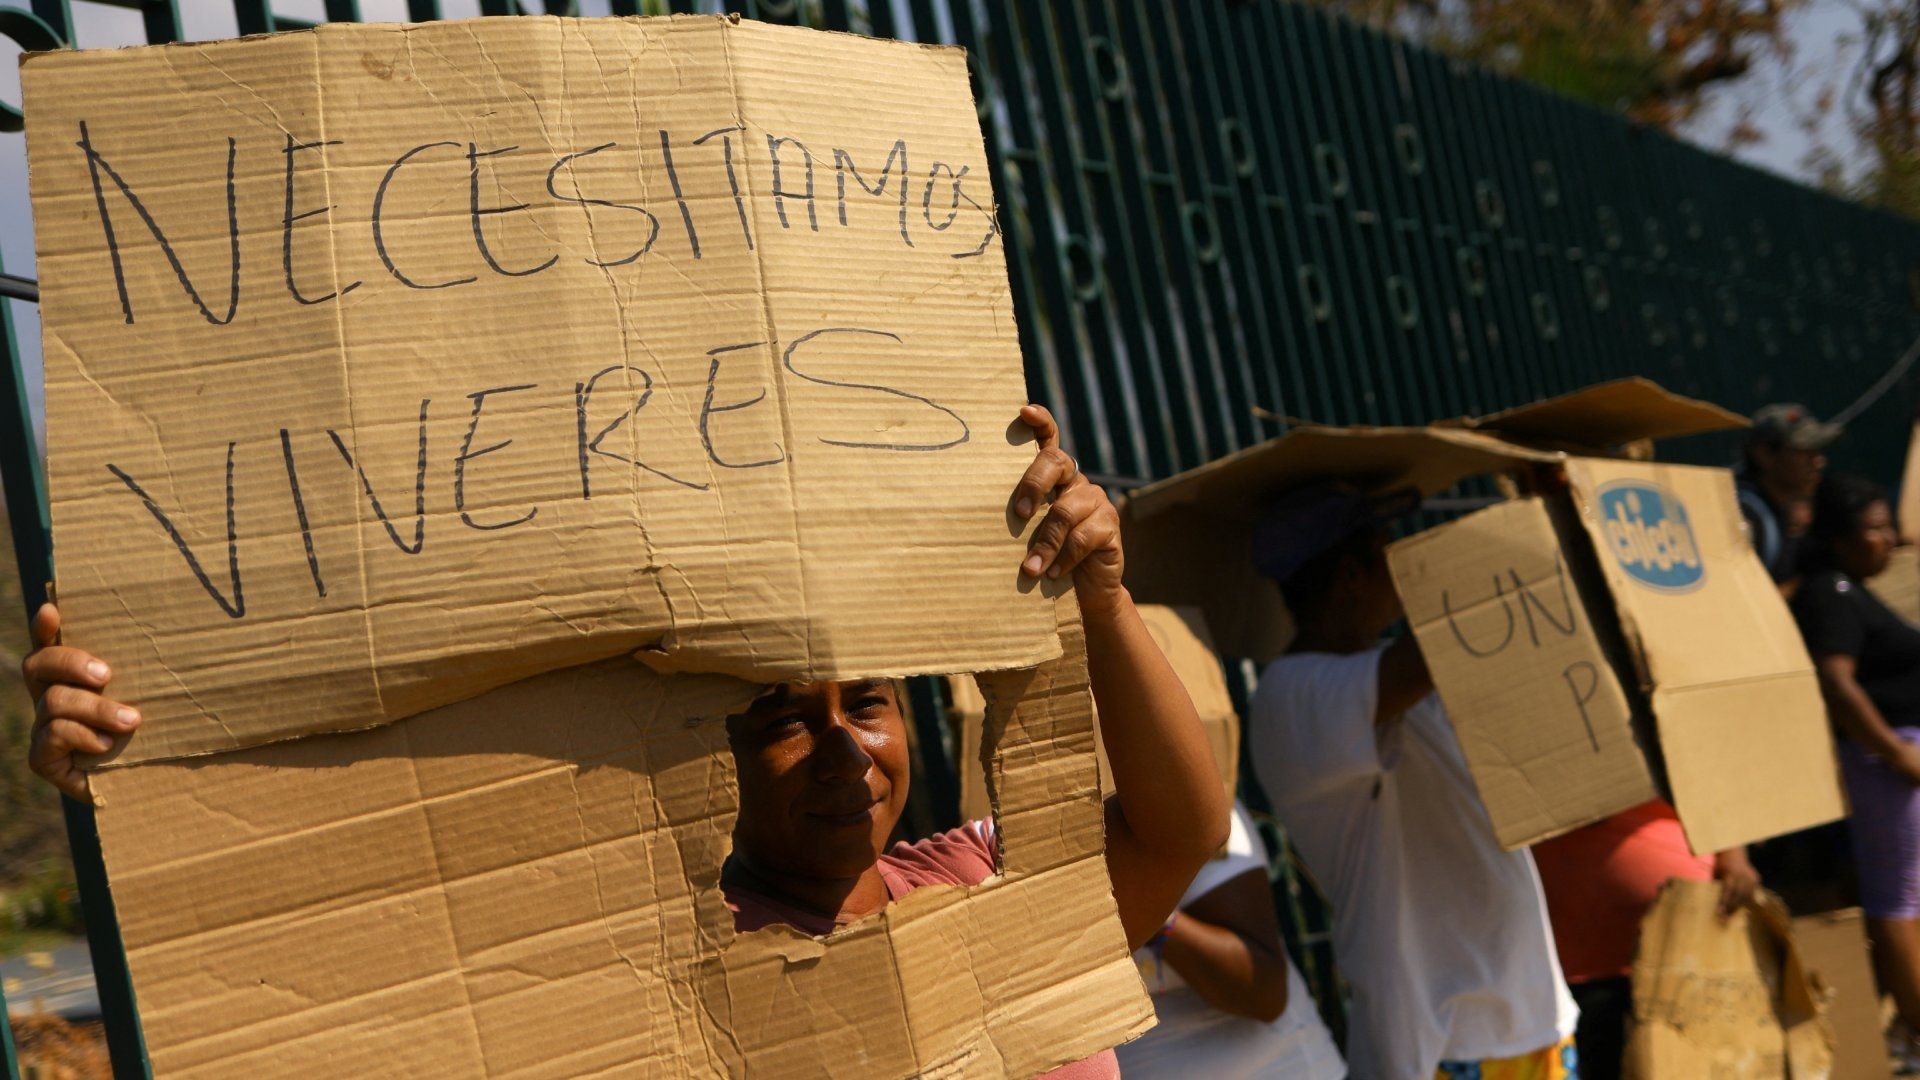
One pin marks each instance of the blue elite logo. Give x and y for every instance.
(1647, 529)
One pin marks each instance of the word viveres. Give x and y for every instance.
(935, 428)
(801, 191)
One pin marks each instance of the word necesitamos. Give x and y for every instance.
(607, 405)
(803, 190)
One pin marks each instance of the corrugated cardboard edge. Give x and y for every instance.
(1607, 415)
(1688, 965)
(1015, 976)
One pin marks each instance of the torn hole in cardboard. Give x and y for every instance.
(467, 891)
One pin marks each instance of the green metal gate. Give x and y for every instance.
(1223, 213)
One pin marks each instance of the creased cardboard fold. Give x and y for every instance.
(388, 364)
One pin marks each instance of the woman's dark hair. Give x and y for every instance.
(1837, 506)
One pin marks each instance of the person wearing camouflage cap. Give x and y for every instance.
(1785, 457)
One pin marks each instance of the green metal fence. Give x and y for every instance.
(1222, 213)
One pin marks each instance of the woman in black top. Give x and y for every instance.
(1868, 658)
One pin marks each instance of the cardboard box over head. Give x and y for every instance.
(526, 883)
(1182, 635)
(1596, 645)
(386, 364)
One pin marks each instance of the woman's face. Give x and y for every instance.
(1866, 551)
(823, 771)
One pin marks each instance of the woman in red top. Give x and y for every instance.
(1600, 880)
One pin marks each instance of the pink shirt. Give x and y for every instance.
(1601, 879)
(962, 856)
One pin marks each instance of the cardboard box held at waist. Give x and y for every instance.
(1597, 644)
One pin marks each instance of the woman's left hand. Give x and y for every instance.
(1738, 879)
(1081, 533)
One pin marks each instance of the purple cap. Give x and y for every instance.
(1308, 521)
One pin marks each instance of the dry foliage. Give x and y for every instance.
(1651, 59)
(53, 1049)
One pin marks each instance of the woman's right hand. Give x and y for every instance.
(70, 715)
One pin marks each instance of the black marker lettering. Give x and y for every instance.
(300, 510)
(733, 181)
(653, 223)
(476, 212)
(1581, 697)
(926, 200)
(1529, 602)
(1499, 593)
(286, 235)
(582, 397)
(708, 408)
(97, 164)
(787, 360)
(238, 605)
(843, 166)
(419, 488)
(780, 194)
(468, 453)
(993, 222)
(379, 239)
(673, 177)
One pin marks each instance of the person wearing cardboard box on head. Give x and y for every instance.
(1779, 470)
(1600, 882)
(822, 767)
(1868, 659)
(1443, 935)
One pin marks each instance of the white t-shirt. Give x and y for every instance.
(1195, 1039)
(1442, 936)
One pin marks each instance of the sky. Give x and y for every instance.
(1774, 99)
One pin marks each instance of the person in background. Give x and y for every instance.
(1231, 1003)
(823, 767)
(1784, 459)
(1600, 880)
(1868, 659)
(1441, 934)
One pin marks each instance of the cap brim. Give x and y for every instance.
(1814, 436)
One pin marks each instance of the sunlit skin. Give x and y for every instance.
(823, 772)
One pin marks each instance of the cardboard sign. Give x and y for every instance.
(1907, 507)
(1714, 997)
(387, 364)
(1741, 721)
(526, 883)
(1833, 945)
(1699, 671)
(1189, 537)
(1181, 634)
(1898, 586)
(1501, 611)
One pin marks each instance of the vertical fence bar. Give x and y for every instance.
(21, 477)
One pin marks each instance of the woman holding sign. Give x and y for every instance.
(823, 767)
(1868, 658)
